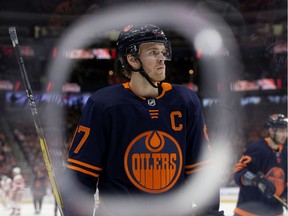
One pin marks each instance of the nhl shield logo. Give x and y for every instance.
(151, 102)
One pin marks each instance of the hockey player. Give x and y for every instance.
(143, 137)
(5, 185)
(18, 185)
(38, 189)
(261, 173)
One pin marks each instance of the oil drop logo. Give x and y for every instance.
(153, 161)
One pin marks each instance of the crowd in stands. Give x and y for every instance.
(7, 158)
(29, 144)
(26, 137)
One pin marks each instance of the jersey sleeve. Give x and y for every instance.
(198, 155)
(87, 149)
(197, 138)
(249, 161)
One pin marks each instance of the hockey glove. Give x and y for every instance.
(259, 180)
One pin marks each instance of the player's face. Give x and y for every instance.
(281, 135)
(152, 56)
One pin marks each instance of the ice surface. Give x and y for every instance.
(228, 202)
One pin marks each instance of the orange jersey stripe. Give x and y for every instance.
(197, 164)
(242, 212)
(153, 111)
(84, 164)
(238, 168)
(245, 213)
(196, 170)
(82, 170)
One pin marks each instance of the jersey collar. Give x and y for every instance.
(165, 88)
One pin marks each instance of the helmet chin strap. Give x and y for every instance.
(146, 76)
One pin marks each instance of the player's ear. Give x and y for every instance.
(135, 64)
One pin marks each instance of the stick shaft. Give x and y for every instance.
(36, 119)
(281, 201)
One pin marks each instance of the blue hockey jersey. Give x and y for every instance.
(139, 145)
(260, 156)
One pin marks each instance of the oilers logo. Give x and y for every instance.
(277, 176)
(153, 161)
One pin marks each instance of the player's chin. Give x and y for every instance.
(160, 77)
(160, 72)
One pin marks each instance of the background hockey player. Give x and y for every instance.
(5, 185)
(143, 137)
(18, 185)
(38, 189)
(261, 173)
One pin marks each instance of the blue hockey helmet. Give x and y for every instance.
(131, 37)
(276, 121)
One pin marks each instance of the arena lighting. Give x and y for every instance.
(26, 51)
(71, 87)
(49, 86)
(6, 85)
(67, 87)
(190, 24)
(7, 50)
(17, 85)
(98, 53)
(257, 85)
(80, 53)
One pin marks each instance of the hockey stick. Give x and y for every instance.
(36, 119)
(255, 169)
(281, 201)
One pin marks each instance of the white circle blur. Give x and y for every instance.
(209, 41)
(202, 34)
